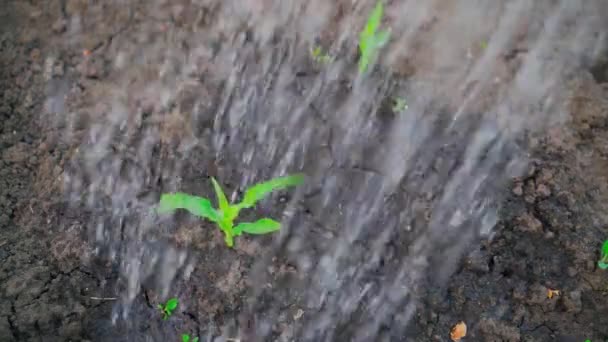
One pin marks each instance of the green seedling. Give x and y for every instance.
(603, 263)
(400, 105)
(226, 213)
(186, 338)
(320, 57)
(168, 308)
(371, 41)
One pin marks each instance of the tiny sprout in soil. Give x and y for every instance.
(400, 105)
(603, 263)
(167, 309)
(371, 41)
(186, 338)
(225, 215)
(321, 57)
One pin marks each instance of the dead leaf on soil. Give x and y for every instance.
(551, 293)
(458, 331)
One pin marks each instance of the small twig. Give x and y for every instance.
(103, 298)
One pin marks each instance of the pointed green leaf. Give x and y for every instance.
(185, 338)
(198, 206)
(374, 19)
(261, 190)
(369, 40)
(363, 48)
(604, 254)
(195, 339)
(221, 197)
(261, 226)
(171, 304)
(602, 265)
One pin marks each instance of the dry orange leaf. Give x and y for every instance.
(458, 331)
(551, 293)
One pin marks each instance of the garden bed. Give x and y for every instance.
(104, 107)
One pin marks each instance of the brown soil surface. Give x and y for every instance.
(53, 287)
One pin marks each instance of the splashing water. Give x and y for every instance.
(393, 200)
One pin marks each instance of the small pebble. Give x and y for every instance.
(518, 190)
(543, 190)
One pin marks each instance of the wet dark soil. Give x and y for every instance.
(53, 287)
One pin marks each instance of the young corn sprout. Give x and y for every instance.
(226, 213)
(187, 338)
(399, 105)
(319, 56)
(168, 308)
(603, 263)
(371, 41)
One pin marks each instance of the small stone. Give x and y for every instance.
(546, 175)
(518, 189)
(549, 235)
(298, 314)
(477, 262)
(529, 223)
(543, 190)
(59, 26)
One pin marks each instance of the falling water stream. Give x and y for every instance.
(392, 200)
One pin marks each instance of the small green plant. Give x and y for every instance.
(371, 41)
(399, 105)
(603, 263)
(168, 308)
(186, 338)
(225, 215)
(319, 56)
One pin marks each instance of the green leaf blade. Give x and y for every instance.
(171, 304)
(221, 197)
(259, 227)
(605, 248)
(374, 19)
(369, 40)
(185, 338)
(198, 206)
(603, 263)
(257, 192)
